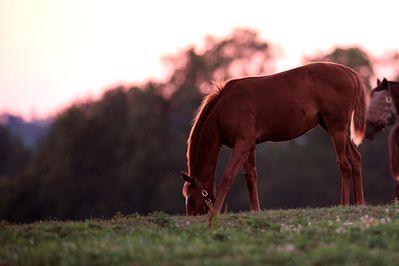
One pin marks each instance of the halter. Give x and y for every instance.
(205, 194)
(382, 108)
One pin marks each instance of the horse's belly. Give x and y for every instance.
(287, 127)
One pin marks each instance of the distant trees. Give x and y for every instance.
(123, 152)
(29, 133)
(13, 155)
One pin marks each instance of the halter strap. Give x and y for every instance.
(207, 200)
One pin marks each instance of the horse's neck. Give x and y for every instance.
(203, 165)
(395, 95)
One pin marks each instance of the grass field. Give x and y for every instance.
(326, 236)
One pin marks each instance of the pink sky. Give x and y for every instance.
(53, 52)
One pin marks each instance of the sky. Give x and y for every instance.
(53, 52)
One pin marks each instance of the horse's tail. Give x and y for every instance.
(393, 146)
(358, 119)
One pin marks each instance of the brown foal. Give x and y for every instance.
(279, 107)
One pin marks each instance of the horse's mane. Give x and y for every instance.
(206, 106)
(393, 146)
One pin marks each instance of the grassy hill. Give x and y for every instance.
(326, 236)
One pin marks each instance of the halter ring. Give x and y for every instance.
(388, 99)
(204, 193)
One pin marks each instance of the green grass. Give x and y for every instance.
(326, 236)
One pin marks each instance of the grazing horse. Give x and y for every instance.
(279, 107)
(382, 113)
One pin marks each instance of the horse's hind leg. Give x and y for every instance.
(357, 180)
(251, 178)
(336, 127)
(340, 141)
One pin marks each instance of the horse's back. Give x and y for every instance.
(314, 79)
(287, 104)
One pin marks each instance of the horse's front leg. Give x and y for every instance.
(239, 155)
(251, 178)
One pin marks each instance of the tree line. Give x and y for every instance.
(123, 152)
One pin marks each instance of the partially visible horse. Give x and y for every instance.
(279, 107)
(382, 113)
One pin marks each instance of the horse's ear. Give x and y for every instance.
(185, 177)
(378, 82)
(385, 83)
(188, 178)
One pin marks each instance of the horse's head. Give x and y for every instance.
(198, 198)
(382, 110)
